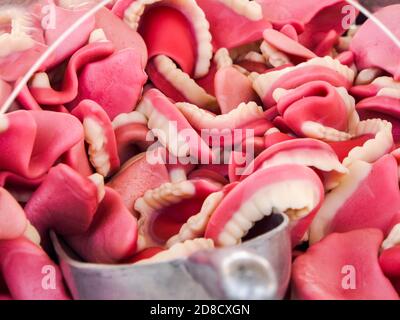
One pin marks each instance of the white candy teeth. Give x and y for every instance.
(4, 123)
(246, 8)
(366, 76)
(133, 117)
(295, 198)
(196, 225)
(222, 58)
(179, 251)
(252, 56)
(243, 114)
(32, 234)
(74, 4)
(95, 137)
(389, 92)
(98, 180)
(97, 35)
(18, 39)
(40, 80)
(275, 57)
(166, 131)
(177, 175)
(318, 131)
(393, 239)
(387, 82)
(194, 14)
(185, 85)
(373, 148)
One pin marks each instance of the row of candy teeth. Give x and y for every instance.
(373, 148)
(165, 195)
(236, 52)
(18, 39)
(316, 130)
(320, 159)
(264, 82)
(97, 141)
(243, 114)
(272, 55)
(196, 225)
(179, 251)
(389, 87)
(358, 171)
(75, 4)
(194, 14)
(222, 58)
(124, 119)
(246, 8)
(182, 81)
(295, 198)
(165, 130)
(393, 239)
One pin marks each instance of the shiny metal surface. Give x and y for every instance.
(257, 269)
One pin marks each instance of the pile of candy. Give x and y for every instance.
(165, 127)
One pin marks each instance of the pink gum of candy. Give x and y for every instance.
(385, 55)
(69, 90)
(316, 101)
(136, 177)
(88, 109)
(65, 202)
(29, 273)
(112, 236)
(42, 133)
(230, 29)
(120, 90)
(321, 272)
(13, 221)
(232, 88)
(244, 191)
(357, 207)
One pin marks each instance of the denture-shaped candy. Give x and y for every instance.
(358, 202)
(160, 217)
(112, 234)
(99, 135)
(318, 110)
(29, 273)
(385, 55)
(342, 266)
(171, 127)
(292, 189)
(317, 69)
(190, 47)
(42, 134)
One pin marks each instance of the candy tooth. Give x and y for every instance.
(98, 180)
(222, 58)
(32, 234)
(389, 92)
(366, 76)
(97, 35)
(387, 82)
(225, 239)
(40, 80)
(4, 123)
(393, 239)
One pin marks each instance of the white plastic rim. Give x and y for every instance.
(16, 91)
